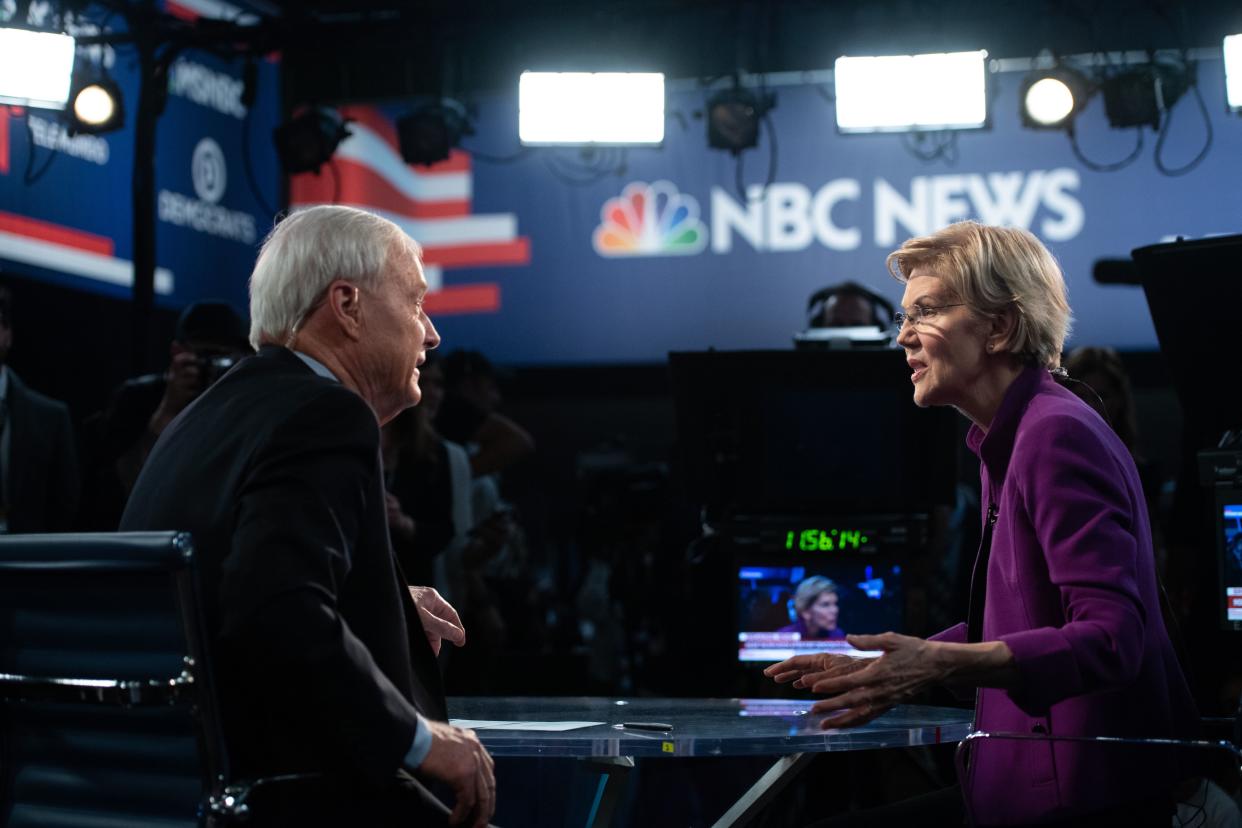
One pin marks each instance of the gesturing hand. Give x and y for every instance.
(440, 620)
(458, 759)
(864, 688)
(805, 670)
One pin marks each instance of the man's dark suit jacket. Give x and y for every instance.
(321, 660)
(41, 482)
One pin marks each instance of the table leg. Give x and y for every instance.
(773, 781)
(614, 771)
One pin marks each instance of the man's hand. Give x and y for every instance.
(440, 620)
(183, 381)
(487, 539)
(459, 760)
(401, 524)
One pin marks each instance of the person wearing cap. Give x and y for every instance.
(38, 459)
(469, 416)
(210, 338)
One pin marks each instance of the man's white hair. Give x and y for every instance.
(309, 250)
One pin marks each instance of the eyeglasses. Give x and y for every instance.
(920, 314)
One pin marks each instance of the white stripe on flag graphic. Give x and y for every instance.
(489, 228)
(367, 148)
(78, 262)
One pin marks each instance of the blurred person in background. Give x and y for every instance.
(38, 460)
(469, 415)
(438, 535)
(210, 338)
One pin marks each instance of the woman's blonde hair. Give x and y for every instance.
(994, 268)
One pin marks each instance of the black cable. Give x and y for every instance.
(246, 163)
(498, 159)
(336, 180)
(943, 149)
(737, 177)
(773, 156)
(1164, 131)
(1106, 167)
(30, 176)
(586, 173)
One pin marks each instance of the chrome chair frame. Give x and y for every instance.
(222, 802)
(963, 747)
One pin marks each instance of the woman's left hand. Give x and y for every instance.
(908, 666)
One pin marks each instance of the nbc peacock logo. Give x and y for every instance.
(650, 220)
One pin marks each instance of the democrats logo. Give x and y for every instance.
(650, 220)
(208, 172)
(205, 214)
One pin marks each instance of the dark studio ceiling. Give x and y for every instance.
(376, 49)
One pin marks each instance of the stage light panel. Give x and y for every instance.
(901, 93)
(1233, 72)
(35, 68)
(591, 108)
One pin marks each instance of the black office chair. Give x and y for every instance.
(107, 712)
(1200, 761)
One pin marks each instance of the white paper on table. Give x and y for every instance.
(548, 727)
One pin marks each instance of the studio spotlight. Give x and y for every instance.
(1052, 98)
(95, 106)
(307, 142)
(428, 134)
(1138, 96)
(733, 117)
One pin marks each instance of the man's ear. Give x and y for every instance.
(344, 302)
(1003, 327)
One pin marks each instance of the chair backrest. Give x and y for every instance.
(107, 715)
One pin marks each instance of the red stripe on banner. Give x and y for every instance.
(458, 161)
(4, 141)
(483, 297)
(937, 734)
(54, 233)
(359, 184)
(516, 252)
(178, 10)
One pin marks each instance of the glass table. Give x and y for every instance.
(781, 728)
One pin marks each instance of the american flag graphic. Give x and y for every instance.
(432, 204)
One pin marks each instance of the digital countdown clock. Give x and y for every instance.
(825, 540)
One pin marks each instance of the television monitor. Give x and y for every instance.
(1231, 561)
(861, 594)
(1181, 280)
(767, 433)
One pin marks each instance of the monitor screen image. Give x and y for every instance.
(791, 609)
(1231, 563)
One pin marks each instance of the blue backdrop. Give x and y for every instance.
(839, 204)
(623, 256)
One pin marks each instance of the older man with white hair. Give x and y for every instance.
(322, 663)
